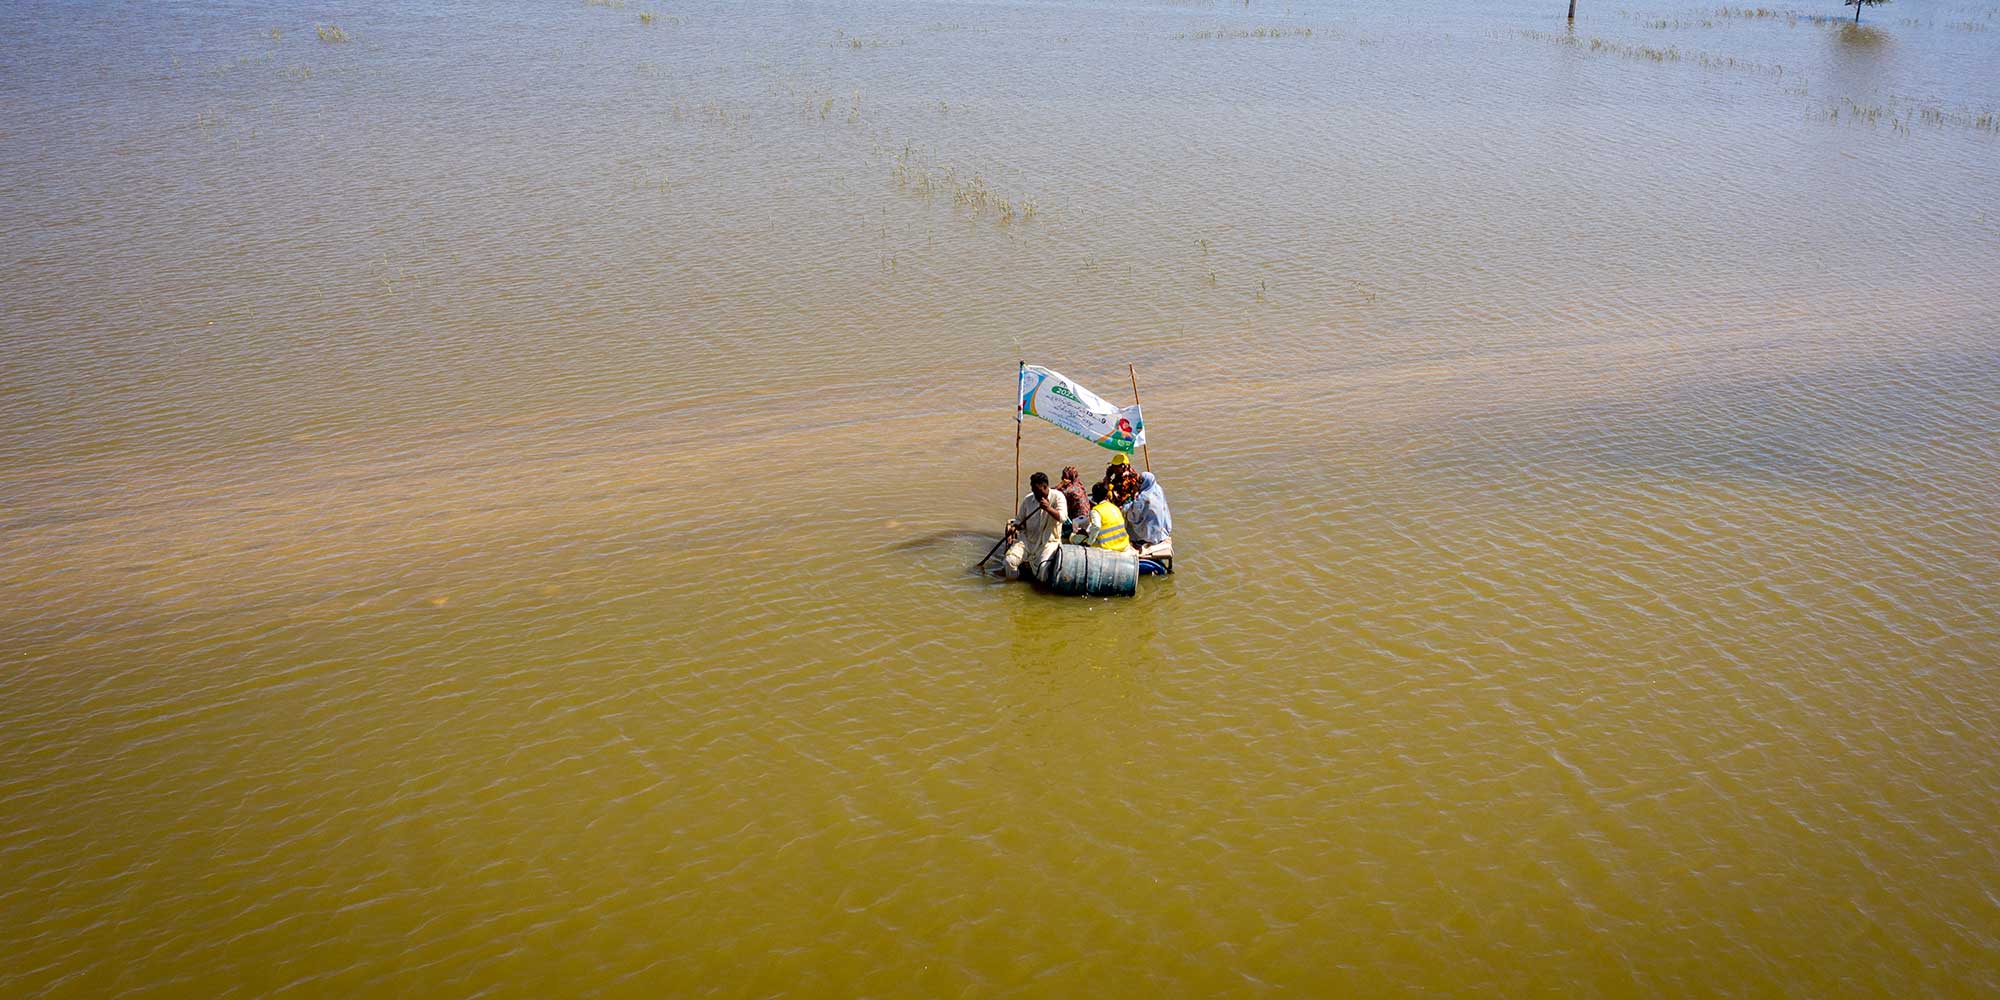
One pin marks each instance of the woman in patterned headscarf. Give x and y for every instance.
(1122, 480)
(1078, 496)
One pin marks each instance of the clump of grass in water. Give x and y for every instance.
(842, 38)
(332, 34)
(645, 17)
(925, 179)
(1668, 54)
(1676, 24)
(1873, 115)
(1214, 34)
(1932, 115)
(1791, 18)
(1652, 54)
(972, 194)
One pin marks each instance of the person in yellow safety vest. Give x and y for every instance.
(1107, 525)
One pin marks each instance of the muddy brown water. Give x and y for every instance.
(484, 505)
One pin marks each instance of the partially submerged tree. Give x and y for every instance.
(1856, 4)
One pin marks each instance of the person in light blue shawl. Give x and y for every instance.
(1146, 516)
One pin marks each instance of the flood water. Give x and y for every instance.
(486, 504)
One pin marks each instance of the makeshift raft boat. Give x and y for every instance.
(1081, 570)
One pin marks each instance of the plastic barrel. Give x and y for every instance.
(1082, 570)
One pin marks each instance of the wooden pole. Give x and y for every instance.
(1134, 372)
(1020, 370)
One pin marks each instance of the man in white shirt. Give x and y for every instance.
(1038, 531)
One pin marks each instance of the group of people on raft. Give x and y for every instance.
(1124, 512)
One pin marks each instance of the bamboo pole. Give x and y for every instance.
(1020, 370)
(1145, 450)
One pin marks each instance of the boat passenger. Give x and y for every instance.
(1037, 533)
(1076, 499)
(1146, 518)
(1120, 479)
(1107, 525)
(1111, 471)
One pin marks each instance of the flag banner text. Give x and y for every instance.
(1050, 396)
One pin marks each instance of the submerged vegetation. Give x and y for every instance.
(1791, 18)
(918, 173)
(1593, 44)
(1214, 34)
(331, 33)
(1651, 53)
(1900, 119)
(1862, 35)
(1899, 115)
(841, 39)
(821, 104)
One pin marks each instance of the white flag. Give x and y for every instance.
(1050, 396)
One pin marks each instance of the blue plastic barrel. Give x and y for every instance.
(1082, 570)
